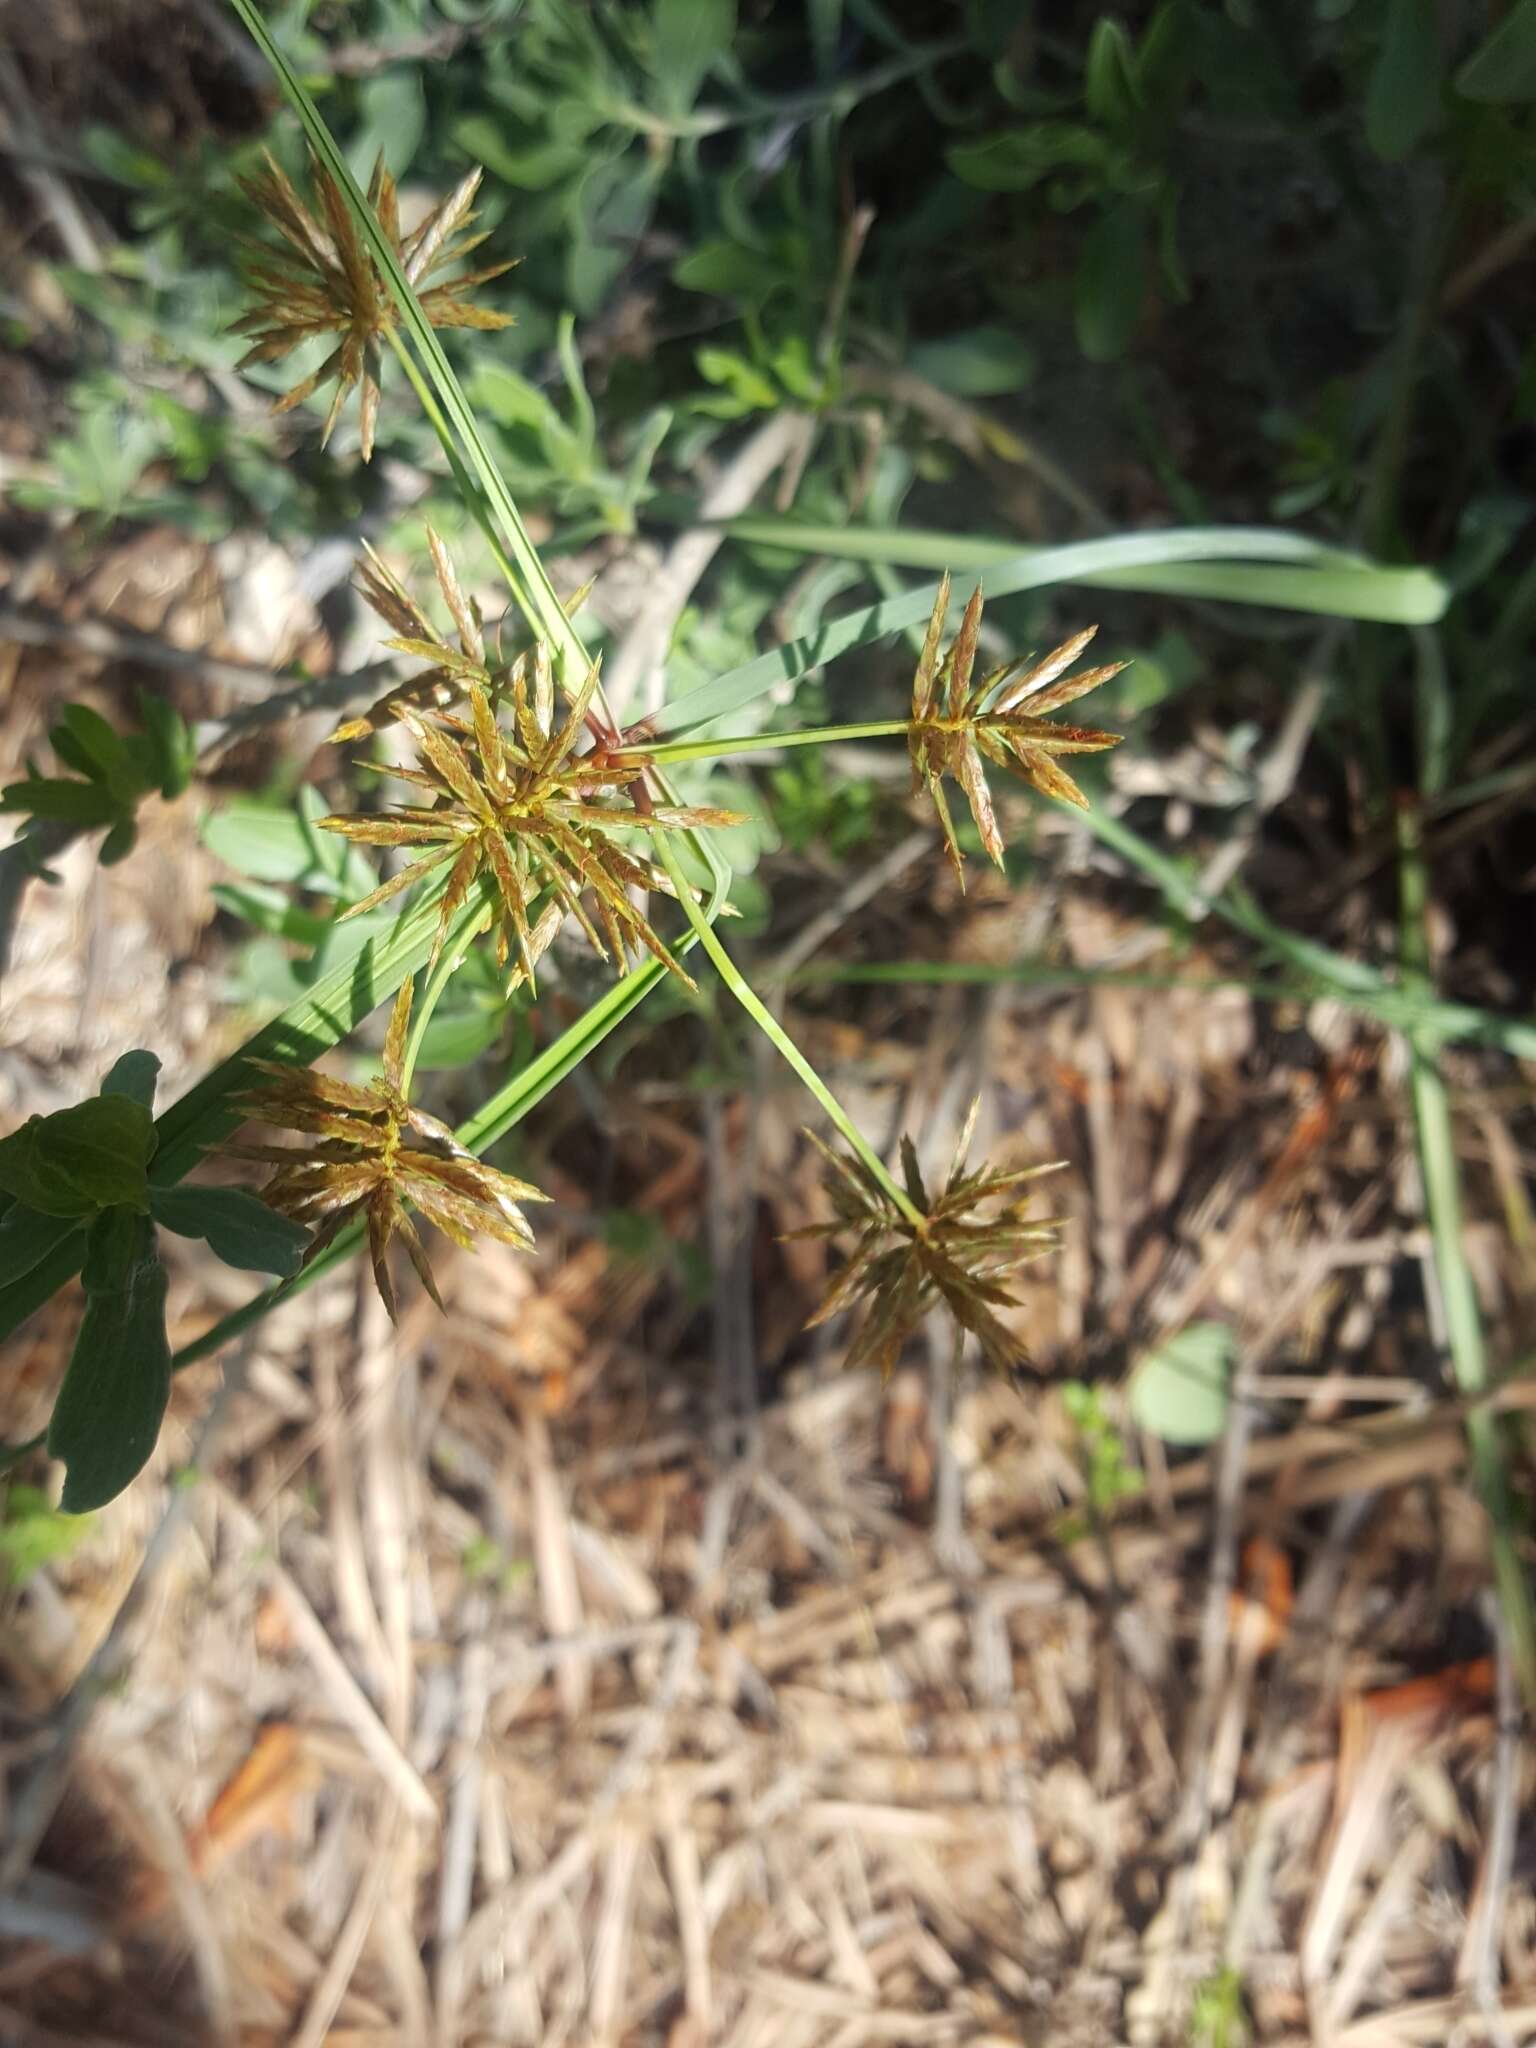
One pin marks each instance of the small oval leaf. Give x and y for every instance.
(240, 1229)
(118, 1382)
(93, 1155)
(1181, 1391)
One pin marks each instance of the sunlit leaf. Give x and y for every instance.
(118, 1381)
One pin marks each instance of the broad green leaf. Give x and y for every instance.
(394, 116)
(93, 1155)
(454, 1037)
(240, 1229)
(727, 268)
(118, 1381)
(1181, 1391)
(133, 1074)
(1017, 158)
(512, 401)
(1505, 67)
(27, 1237)
(274, 843)
(488, 141)
(104, 747)
(689, 36)
(271, 909)
(1402, 101)
(85, 804)
(1111, 282)
(119, 843)
(978, 362)
(733, 373)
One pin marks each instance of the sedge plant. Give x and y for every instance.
(532, 811)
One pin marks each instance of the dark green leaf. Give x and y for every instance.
(71, 753)
(1111, 276)
(689, 36)
(721, 266)
(110, 1406)
(118, 843)
(978, 362)
(1402, 101)
(72, 803)
(27, 1236)
(1163, 61)
(133, 1075)
(171, 744)
(1109, 78)
(91, 1156)
(104, 748)
(240, 1230)
(1014, 159)
(1505, 67)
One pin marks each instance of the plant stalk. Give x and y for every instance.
(780, 1039)
(762, 742)
(449, 961)
(1458, 1292)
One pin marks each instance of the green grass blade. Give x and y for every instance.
(1239, 565)
(1400, 1009)
(1154, 556)
(1458, 1291)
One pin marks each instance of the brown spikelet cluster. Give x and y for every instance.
(374, 1153)
(515, 803)
(1003, 718)
(324, 281)
(975, 1234)
(452, 669)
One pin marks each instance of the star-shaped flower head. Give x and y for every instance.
(523, 808)
(1003, 717)
(376, 1152)
(325, 281)
(973, 1237)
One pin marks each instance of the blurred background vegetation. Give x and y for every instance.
(1025, 272)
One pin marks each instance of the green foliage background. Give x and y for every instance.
(1031, 276)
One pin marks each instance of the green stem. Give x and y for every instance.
(474, 498)
(575, 660)
(779, 1038)
(1458, 1291)
(449, 962)
(764, 742)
